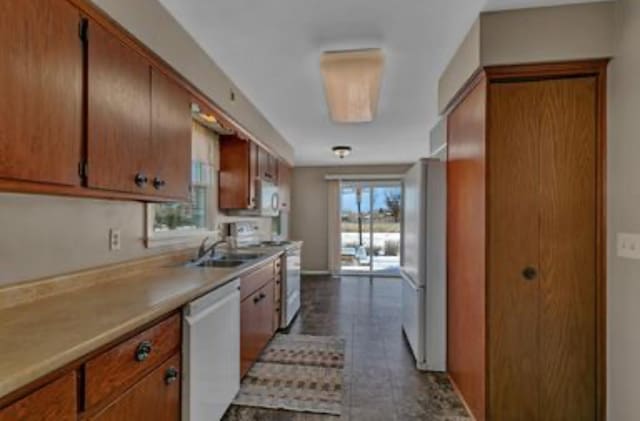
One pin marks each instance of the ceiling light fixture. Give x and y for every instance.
(341, 151)
(352, 83)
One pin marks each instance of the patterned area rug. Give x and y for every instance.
(297, 373)
(318, 351)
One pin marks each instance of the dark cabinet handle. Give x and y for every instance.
(143, 351)
(529, 273)
(158, 183)
(140, 180)
(259, 297)
(171, 375)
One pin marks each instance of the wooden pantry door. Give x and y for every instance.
(542, 249)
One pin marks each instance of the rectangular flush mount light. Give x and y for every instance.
(352, 83)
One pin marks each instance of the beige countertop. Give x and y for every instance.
(41, 335)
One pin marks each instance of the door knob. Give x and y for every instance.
(529, 273)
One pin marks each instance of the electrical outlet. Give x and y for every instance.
(114, 239)
(629, 246)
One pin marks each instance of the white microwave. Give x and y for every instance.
(268, 198)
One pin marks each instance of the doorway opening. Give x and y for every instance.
(370, 227)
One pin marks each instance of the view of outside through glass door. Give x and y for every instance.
(370, 227)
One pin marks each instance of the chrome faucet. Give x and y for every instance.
(203, 250)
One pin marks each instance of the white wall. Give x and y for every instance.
(624, 216)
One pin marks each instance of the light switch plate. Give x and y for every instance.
(629, 246)
(114, 239)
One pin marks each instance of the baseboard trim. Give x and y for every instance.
(315, 272)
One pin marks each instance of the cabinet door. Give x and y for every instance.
(254, 174)
(284, 185)
(542, 216)
(234, 184)
(41, 91)
(170, 167)
(267, 165)
(155, 397)
(118, 115)
(54, 402)
(256, 325)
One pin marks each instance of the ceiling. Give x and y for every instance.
(271, 50)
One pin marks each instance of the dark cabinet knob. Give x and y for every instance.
(171, 375)
(143, 351)
(158, 183)
(140, 180)
(256, 299)
(529, 273)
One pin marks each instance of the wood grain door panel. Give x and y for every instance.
(155, 397)
(170, 138)
(41, 92)
(513, 331)
(54, 402)
(466, 346)
(568, 249)
(542, 212)
(119, 114)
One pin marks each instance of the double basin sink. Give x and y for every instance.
(227, 260)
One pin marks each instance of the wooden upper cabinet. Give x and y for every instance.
(170, 166)
(119, 111)
(56, 401)
(41, 92)
(267, 165)
(238, 162)
(284, 185)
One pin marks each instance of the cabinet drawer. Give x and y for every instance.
(156, 397)
(122, 365)
(54, 402)
(253, 281)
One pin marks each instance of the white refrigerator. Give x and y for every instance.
(424, 264)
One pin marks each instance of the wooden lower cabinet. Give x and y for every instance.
(57, 401)
(155, 397)
(109, 373)
(256, 324)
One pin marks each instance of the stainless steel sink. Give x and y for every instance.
(239, 256)
(227, 260)
(216, 263)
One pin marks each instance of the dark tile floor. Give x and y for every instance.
(380, 377)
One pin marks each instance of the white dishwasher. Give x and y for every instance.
(211, 353)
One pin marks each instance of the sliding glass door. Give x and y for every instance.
(370, 227)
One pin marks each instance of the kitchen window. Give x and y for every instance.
(189, 222)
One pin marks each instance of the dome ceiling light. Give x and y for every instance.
(341, 151)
